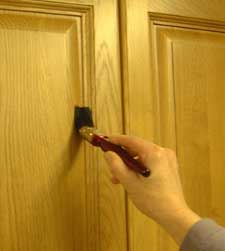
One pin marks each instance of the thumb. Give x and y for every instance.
(119, 169)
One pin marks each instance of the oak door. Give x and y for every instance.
(173, 61)
(55, 192)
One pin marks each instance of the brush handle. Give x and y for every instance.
(106, 145)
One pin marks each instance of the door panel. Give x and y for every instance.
(55, 192)
(190, 81)
(178, 75)
(40, 83)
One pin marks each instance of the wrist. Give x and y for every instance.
(178, 223)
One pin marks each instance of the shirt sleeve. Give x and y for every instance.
(205, 235)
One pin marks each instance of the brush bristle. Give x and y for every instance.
(83, 117)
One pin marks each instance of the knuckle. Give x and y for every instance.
(170, 152)
(165, 153)
(159, 153)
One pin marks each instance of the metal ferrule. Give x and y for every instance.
(87, 133)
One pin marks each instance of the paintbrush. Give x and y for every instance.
(85, 127)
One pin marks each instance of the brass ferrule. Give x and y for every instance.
(87, 133)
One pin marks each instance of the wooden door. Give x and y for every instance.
(173, 61)
(55, 192)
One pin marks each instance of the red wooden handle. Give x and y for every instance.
(106, 145)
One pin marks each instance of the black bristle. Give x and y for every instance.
(83, 117)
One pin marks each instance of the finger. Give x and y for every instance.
(135, 145)
(119, 170)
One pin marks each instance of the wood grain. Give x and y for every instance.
(210, 10)
(38, 161)
(138, 105)
(112, 220)
(173, 77)
(55, 191)
(200, 155)
(188, 105)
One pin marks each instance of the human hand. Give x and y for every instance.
(159, 196)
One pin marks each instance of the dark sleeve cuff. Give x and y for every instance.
(205, 235)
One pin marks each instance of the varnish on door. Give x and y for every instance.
(149, 68)
(174, 54)
(55, 191)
